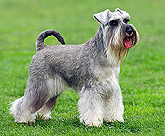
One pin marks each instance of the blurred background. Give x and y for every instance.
(21, 21)
(142, 77)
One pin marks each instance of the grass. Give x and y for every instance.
(142, 76)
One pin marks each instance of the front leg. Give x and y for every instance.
(114, 106)
(90, 106)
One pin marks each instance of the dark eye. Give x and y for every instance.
(126, 20)
(113, 23)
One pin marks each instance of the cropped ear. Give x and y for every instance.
(102, 17)
(120, 11)
(126, 15)
(117, 9)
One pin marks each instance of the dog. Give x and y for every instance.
(91, 69)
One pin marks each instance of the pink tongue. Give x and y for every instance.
(127, 44)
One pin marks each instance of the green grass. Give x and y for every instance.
(142, 76)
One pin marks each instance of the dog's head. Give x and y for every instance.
(117, 32)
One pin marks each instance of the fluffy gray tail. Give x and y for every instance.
(40, 40)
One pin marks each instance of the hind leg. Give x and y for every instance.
(24, 109)
(20, 111)
(55, 87)
(45, 111)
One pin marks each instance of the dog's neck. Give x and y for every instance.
(112, 55)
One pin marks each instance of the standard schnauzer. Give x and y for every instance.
(92, 69)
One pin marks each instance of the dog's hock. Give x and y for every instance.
(102, 17)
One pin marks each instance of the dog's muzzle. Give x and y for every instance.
(129, 31)
(129, 37)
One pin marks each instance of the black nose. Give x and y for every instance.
(129, 30)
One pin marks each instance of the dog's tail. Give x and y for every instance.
(40, 40)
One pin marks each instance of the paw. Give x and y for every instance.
(89, 122)
(44, 117)
(47, 118)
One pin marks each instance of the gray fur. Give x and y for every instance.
(40, 40)
(91, 69)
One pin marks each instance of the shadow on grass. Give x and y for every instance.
(123, 126)
(72, 123)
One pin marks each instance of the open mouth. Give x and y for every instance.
(128, 42)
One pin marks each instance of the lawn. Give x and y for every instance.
(142, 76)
